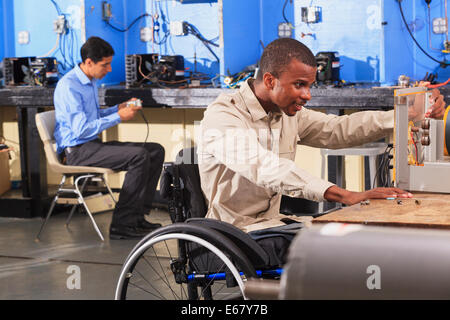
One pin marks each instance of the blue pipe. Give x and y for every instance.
(221, 275)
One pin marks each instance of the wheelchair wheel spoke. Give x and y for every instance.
(166, 281)
(149, 292)
(211, 282)
(165, 276)
(147, 281)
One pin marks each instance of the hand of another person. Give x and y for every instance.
(437, 108)
(126, 111)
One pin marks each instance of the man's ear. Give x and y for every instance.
(89, 62)
(269, 80)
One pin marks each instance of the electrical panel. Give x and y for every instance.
(178, 28)
(311, 14)
(60, 25)
(153, 69)
(106, 11)
(30, 71)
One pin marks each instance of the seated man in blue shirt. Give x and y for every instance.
(79, 120)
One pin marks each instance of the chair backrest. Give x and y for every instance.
(45, 122)
(194, 200)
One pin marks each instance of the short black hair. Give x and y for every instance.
(96, 49)
(280, 52)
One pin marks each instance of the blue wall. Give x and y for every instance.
(2, 40)
(369, 50)
(37, 18)
(204, 16)
(241, 35)
(417, 12)
(353, 29)
(6, 29)
(95, 26)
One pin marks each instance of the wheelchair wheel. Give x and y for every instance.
(180, 266)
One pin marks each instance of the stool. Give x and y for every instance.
(371, 150)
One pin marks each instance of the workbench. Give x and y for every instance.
(424, 210)
(31, 100)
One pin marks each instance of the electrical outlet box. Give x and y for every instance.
(106, 11)
(284, 30)
(439, 25)
(146, 34)
(178, 28)
(60, 25)
(23, 37)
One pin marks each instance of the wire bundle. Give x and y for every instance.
(63, 41)
(383, 174)
(193, 30)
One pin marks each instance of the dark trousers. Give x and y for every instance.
(143, 164)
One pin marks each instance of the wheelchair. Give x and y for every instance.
(195, 257)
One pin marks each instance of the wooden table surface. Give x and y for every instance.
(424, 210)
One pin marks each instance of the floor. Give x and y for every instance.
(67, 263)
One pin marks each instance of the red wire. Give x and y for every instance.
(432, 86)
(415, 146)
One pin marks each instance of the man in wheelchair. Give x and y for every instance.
(248, 140)
(243, 164)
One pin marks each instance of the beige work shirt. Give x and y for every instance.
(246, 156)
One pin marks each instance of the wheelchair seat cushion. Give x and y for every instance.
(276, 241)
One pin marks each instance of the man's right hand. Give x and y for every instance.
(337, 194)
(128, 112)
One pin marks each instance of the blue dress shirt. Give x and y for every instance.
(79, 118)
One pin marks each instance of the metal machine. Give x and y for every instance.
(328, 66)
(153, 69)
(421, 145)
(31, 71)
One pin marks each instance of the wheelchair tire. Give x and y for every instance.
(158, 267)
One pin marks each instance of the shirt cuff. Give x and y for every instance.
(315, 189)
(114, 118)
(387, 119)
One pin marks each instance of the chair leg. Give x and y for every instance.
(72, 211)
(52, 206)
(109, 189)
(80, 198)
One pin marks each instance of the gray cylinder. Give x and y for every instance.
(350, 261)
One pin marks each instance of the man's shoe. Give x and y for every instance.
(147, 226)
(117, 233)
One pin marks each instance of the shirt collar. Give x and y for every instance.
(82, 76)
(254, 107)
